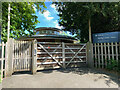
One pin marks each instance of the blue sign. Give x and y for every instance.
(107, 37)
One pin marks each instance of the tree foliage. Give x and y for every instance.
(22, 18)
(74, 17)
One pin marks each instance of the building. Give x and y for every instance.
(49, 34)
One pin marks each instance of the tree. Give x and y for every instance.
(79, 17)
(22, 18)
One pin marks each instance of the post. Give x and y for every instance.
(90, 37)
(89, 50)
(9, 69)
(34, 57)
(63, 54)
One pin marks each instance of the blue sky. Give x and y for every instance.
(49, 18)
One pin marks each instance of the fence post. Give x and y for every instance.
(34, 56)
(89, 49)
(63, 54)
(9, 69)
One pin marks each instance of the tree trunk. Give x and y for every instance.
(8, 32)
(90, 38)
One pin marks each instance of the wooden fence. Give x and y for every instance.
(2, 59)
(104, 52)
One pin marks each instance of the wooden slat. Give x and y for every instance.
(29, 55)
(59, 48)
(2, 60)
(112, 51)
(108, 51)
(102, 55)
(98, 55)
(105, 54)
(14, 56)
(58, 43)
(63, 54)
(43, 63)
(25, 55)
(57, 52)
(22, 55)
(116, 49)
(60, 57)
(19, 54)
(95, 56)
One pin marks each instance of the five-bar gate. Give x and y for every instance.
(56, 55)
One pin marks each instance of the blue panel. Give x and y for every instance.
(106, 37)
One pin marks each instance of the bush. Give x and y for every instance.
(112, 65)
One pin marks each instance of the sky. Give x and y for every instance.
(49, 18)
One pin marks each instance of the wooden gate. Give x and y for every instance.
(22, 56)
(56, 55)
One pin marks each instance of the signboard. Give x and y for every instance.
(107, 37)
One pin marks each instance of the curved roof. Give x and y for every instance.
(47, 28)
(48, 37)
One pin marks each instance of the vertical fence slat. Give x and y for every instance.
(2, 60)
(19, 54)
(102, 55)
(63, 54)
(95, 55)
(15, 57)
(105, 54)
(24, 54)
(116, 49)
(108, 51)
(112, 50)
(27, 56)
(98, 54)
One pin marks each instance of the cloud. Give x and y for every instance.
(54, 7)
(34, 7)
(57, 25)
(47, 15)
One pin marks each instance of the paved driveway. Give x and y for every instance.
(70, 78)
